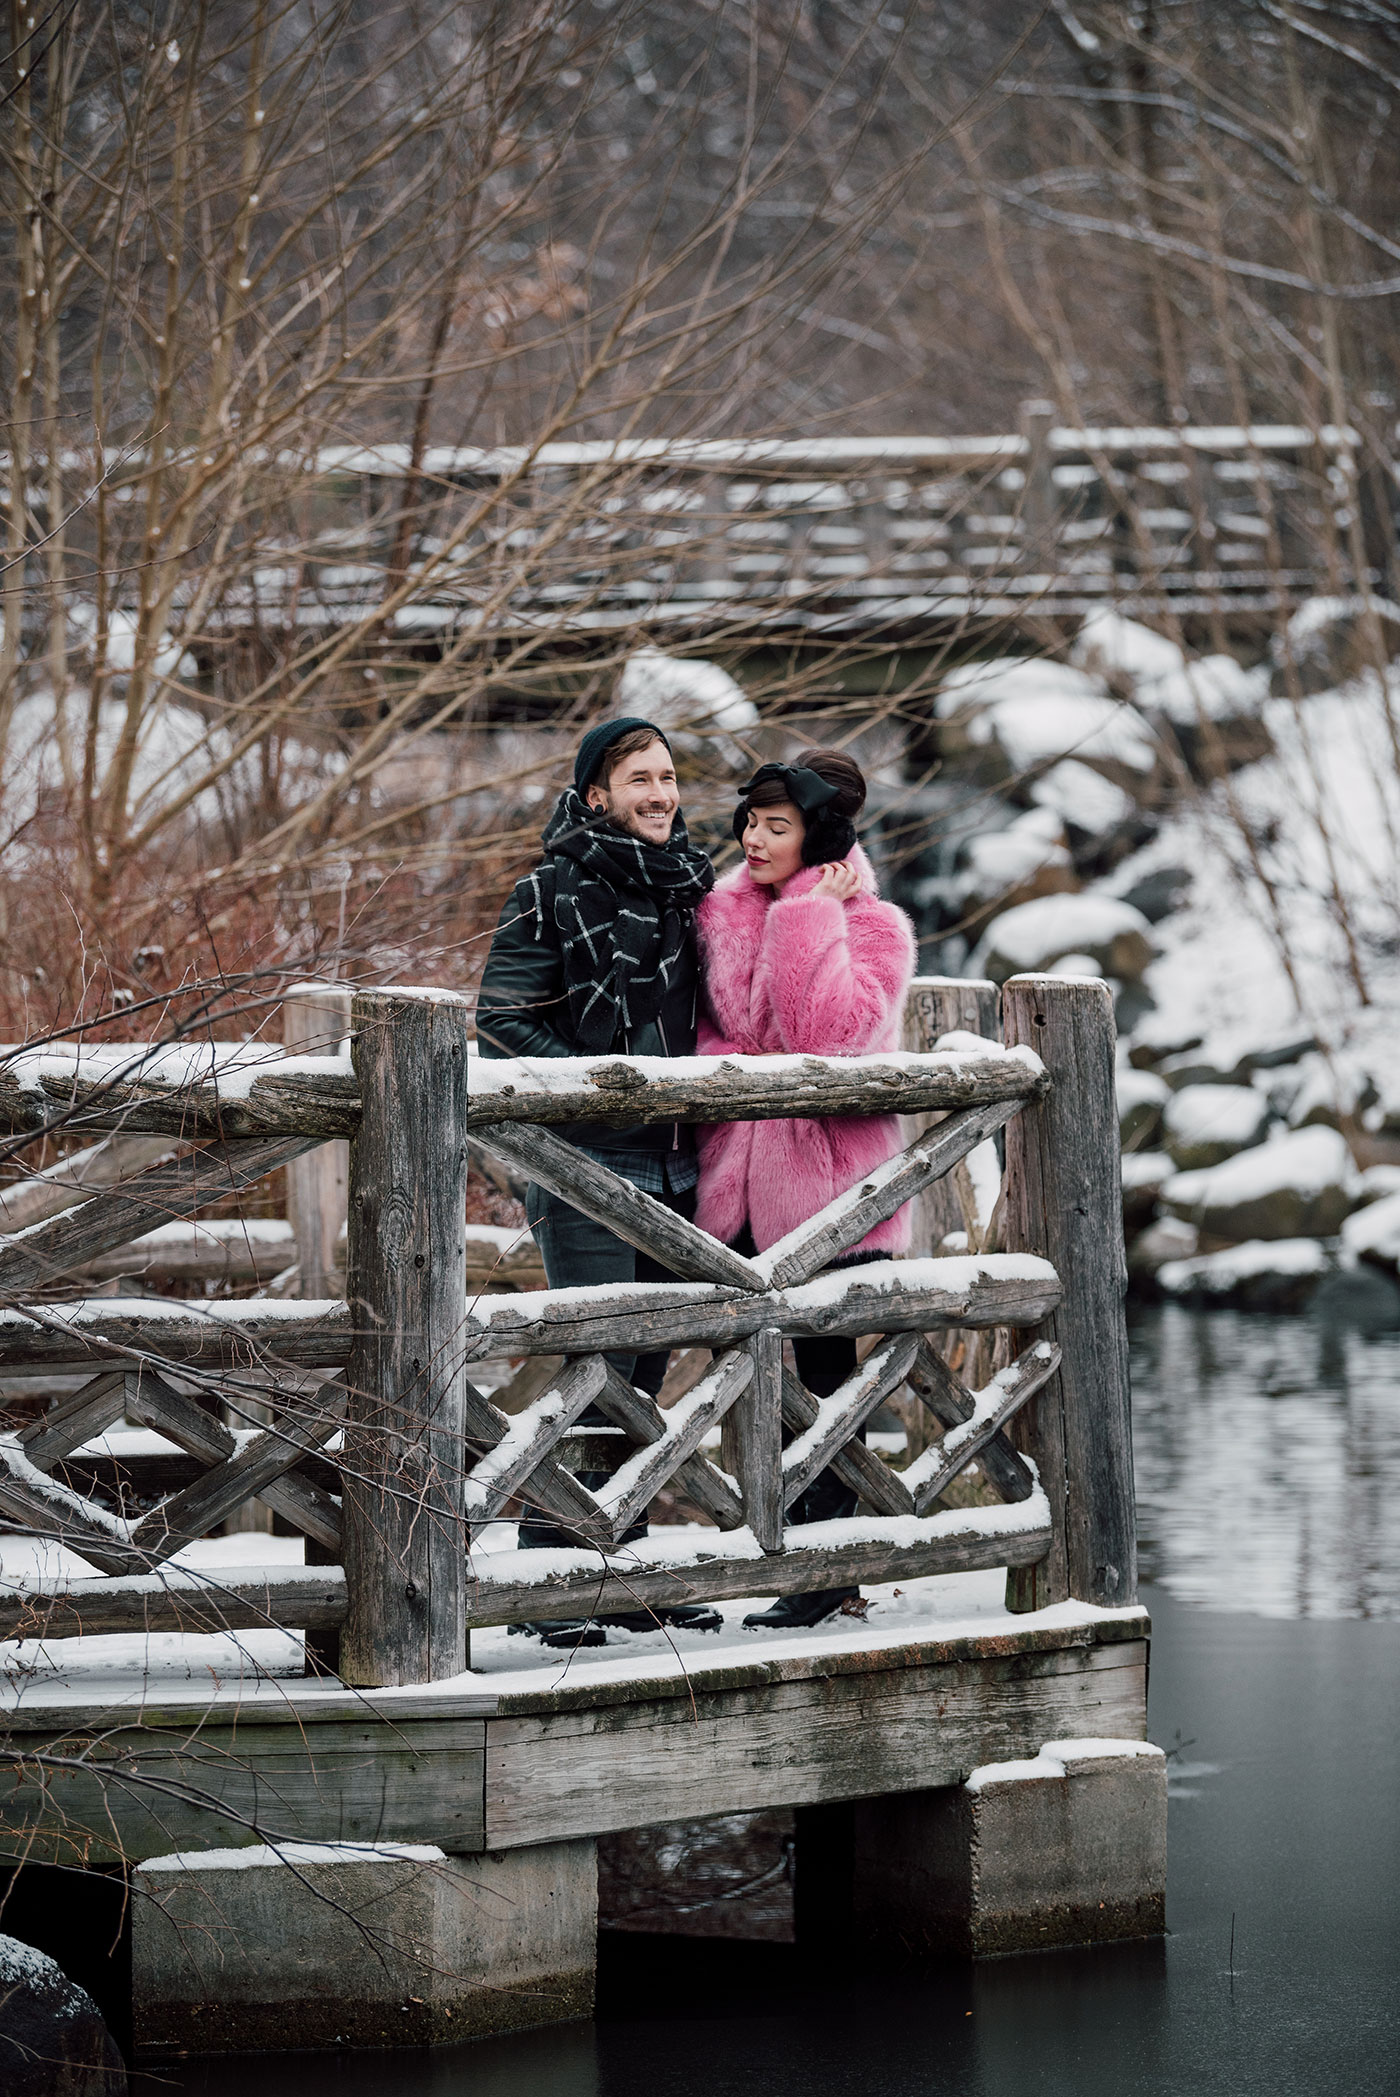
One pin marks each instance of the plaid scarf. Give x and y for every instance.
(623, 910)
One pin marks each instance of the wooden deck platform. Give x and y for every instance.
(534, 1747)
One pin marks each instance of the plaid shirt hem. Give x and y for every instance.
(653, 1171)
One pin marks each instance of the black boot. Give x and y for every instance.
(800, 1612)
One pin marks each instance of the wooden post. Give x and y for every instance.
(939, 1005)
(315, 1021)
(406, 1282)
(1064, 1201)
(1038, 502)
(758, 1440)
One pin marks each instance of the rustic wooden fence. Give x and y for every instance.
(362, 1425)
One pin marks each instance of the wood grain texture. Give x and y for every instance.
(633, 1486)
(845, 1221)
(74, 1178)
(402, 1514)
(240, 1336)
(323, 1104)
(930, 1476)
(845, 1412)
(242, 1599)
(881, 1489)
(938, 1005)
(951, 1403)
(499, 1475)
(643, 1420)
(851, 1736)
(635, 1217)
(315, 1022)
(73, 1420)
(597, 1587)
(885, 1296)
(160, 1194)
(201, 1507)
(1064, 1200)
(742, 1088)
(142, 1792)
(758, 1440)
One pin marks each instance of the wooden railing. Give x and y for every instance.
(364, 1429)
(591, 538)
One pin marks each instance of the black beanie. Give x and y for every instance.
(598, 741)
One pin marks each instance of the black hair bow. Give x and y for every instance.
(807, 790)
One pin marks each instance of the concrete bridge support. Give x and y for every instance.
(329, 1944)
(1070, 1848)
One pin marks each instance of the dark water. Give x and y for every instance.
(1269, 1457)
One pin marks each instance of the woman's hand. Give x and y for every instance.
(839, 879)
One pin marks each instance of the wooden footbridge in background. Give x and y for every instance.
(361, 1422)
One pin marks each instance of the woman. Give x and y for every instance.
(799, 954)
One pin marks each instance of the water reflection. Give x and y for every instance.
(1268, 1462)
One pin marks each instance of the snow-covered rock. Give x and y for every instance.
(1036, 711)
(1141, 1098)
(1211, 689)
(1166, 1239)
(53, 2042)
(682, 693)
(1030, 855)
(1373, 1233)
(1083, 799)
(1205, 1124)
(1327, 1091)
(1111, 645)
(1329, 640)
(1298, 1185)
(1145, 1173)
(1280, 1274)
(1035, 934)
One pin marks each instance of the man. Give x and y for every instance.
(595, 955)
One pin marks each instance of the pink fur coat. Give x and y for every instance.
(799, 974)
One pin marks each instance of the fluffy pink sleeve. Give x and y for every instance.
(836, 974)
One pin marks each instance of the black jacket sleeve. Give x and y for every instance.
(521, 1007)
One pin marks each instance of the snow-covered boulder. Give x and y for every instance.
(1205, 1124)
(1124, 649)
(1381, 1114)
(1329, 640)
(1327, 1092)
(1034, 712)
(1166, 1239)
(1083, 800)
(1279, 1274)
(1141, 1098)
(1028, 858)
(1373, 1234)
(1145, 1173)
(1298, 1185)
(1033, 935)
(53, 2042)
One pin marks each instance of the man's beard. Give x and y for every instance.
(631, 826)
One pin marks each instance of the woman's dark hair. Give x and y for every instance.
(830, 832)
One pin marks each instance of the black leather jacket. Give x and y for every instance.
(522, 1009)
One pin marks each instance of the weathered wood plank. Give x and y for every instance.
(934, 1006)
(844, 1412)
(77, 1177)
(635, 1217)
(406, 1284)
(45, 1508)
(885, 1296)
(40, 1255)
(951, 1403)
(251, 1598)
(845, 1221)
(642, 1418)
(633, 1579)
(1064, 1200)
(142, 1792)
(856, 1466)
(212, 1499)
(931, 1474)
(317, 1097)
(851, 1736)
(74, 1420)
(758, 1440)
(636, 1482)
(743, 1088)
(315, 1022)
(496, 1477)
(240, 1336)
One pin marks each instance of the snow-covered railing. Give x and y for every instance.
(373, 1394)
